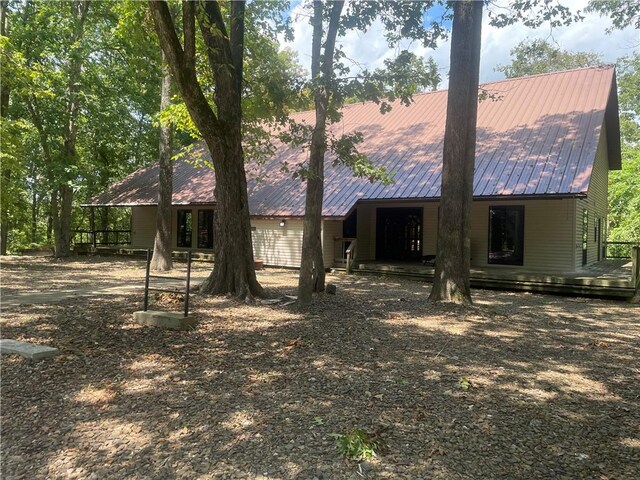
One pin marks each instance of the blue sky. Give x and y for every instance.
(370, 49)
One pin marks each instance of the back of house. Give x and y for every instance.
(545, 145)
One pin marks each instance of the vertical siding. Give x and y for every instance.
(596, 204)
(276, 245)
(143, 227)
(366, 232)
(330, 230)
(430, 228)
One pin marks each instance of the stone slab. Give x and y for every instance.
(27, 350)
(170, 320)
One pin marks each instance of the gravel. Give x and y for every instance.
(518, 386)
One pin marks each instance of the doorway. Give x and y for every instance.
(399, 233)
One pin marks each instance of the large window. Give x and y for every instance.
(506, 235)
(184, 228)
(205, 228)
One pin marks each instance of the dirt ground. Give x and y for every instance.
(519, 386)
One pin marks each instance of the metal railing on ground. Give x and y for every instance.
(148, 276)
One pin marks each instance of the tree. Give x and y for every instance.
(532, 57)
(161, 259)
(114, 119)
(5, 89)
(623, 13)
(451, 279)
(401, 78)
(624, 184)
(233, 271)
(312, 263)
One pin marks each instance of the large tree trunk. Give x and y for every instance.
(4, 107)
(62, 213)
(312, 277)
(451, 281)
(233, 272)
(161, 260)
(61, 203)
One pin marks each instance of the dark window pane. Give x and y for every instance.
(184, 228)
(205, 229)
(506, 235)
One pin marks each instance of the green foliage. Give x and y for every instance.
(624, 185)
(623, 13)
(532, 57)
(464, 383)
(358, 445)
(532, 13)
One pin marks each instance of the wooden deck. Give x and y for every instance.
(609, 278)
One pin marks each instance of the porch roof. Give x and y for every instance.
(536, 136)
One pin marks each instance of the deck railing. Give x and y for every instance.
(344, 251)
(101, 237)
(619, 250)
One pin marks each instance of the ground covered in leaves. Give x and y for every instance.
(518, 386)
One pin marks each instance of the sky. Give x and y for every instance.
(370, 49)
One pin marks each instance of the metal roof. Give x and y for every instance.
(536, 136)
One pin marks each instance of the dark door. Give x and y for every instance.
(399, 233)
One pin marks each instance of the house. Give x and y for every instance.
(545, 145)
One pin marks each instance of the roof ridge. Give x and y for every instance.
(609, 66)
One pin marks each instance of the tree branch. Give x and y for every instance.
(189, 32)
(184, 74)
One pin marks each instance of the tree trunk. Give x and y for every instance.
(161, 260)
(62, 218)
(61, 202)
(34, 215)
(451, 280)
(312, 277)
(4, 234)
(50, 222)
(234, 271)
(4, 107)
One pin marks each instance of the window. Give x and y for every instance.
(184, 228)
(205, 228)
(506, 235)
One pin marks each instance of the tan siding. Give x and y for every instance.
(596, 203)
(330, 230)
(143, 227)
(548, 233)
(430, 228)
(275, 245)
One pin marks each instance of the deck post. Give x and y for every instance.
(635, 273)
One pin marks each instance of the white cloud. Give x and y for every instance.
(370, 49)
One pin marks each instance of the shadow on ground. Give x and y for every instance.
(553, 388)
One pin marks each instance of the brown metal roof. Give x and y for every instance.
(537, 138)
